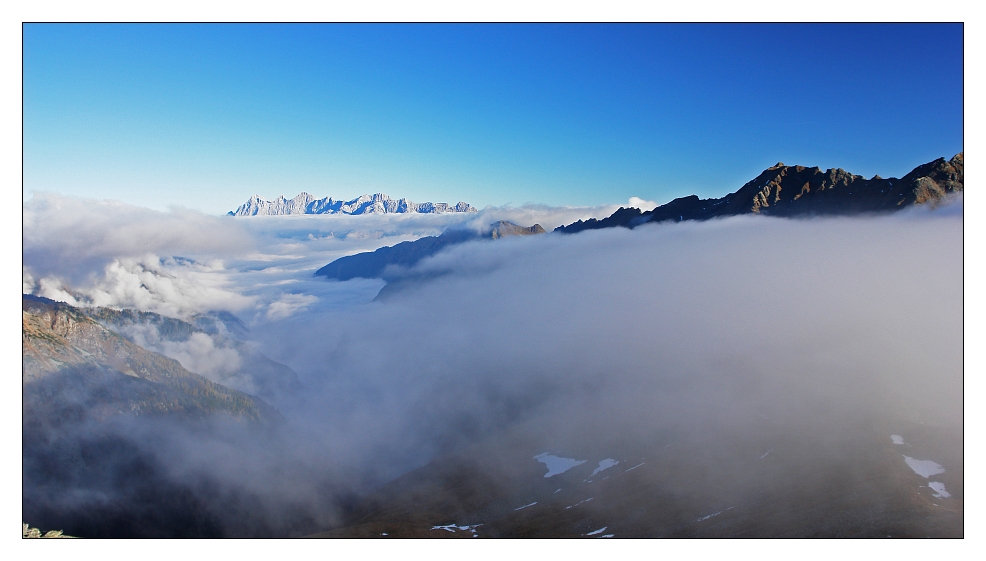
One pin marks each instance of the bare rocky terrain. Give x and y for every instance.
(36, 533)
(798, 191)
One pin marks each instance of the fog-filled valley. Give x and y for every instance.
(749, 370)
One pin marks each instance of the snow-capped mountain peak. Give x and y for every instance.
(378, 203)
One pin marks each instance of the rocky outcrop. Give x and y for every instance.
(503, 229)
(800, 191)
(36, 533)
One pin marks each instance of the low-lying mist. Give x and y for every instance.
(820, 322)
(607, 339)
(182, 262)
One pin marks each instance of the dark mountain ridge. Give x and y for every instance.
(791, 191)
(373, 264)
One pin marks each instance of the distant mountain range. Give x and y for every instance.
(799, 191)
(788, 191)
(378, 203)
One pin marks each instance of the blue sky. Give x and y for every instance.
(206, 115)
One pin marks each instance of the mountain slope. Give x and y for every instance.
(377, 203)
(374, 264)
(720, 484)
(505, 229)
(119, 441)
(74, 366)
(245, 369)
(799, 191)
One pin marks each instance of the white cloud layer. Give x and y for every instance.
(75, 237)
(700, 330)
(842, 317)
(168, 286)
(179, 263)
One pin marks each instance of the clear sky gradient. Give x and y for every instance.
(204, 116)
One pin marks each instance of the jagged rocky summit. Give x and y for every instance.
(800, 191)
(378, 203)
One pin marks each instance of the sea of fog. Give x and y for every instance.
(819, 320)
(179, 263)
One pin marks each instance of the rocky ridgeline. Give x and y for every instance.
(790, 191)
(372, 264)
(378, 203)
(505, 229)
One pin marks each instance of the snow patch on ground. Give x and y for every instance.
(604, 464)
(599, 531)
(765, 453)
(714, 514)
(453, 527)
(924, 468)
(557, 464)
(578, 503)
(525, 506)
(897, 439)
(635, 467)
(939, 489)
